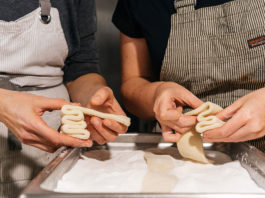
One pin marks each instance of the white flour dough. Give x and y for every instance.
(158, 178)
(190, 144)
(73, 123)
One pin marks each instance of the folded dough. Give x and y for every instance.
(158, 178)
(190, 144)
(73, 123)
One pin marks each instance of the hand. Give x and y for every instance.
(247, 120)
(169, 100)
(104, 130)
(21, 113)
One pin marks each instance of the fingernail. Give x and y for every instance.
(95, 121)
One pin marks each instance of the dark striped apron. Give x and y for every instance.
(217, 52)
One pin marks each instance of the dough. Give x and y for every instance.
(190, 144)
(73, 123)
(158, 178)
(158, 183)
(158, 163)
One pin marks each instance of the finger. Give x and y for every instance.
(175, 127)
(244, 134)
(168, 135)
(94, 135)
(43, 147)
(166, 105)
(53, 104)
(230, 127)
(59, 139)
(101, 96)
(107, 134)
(249, 137)
(229, 111)
(186, 121)
(237, 136)
(115, 126)
(192, 101)
(169, 114)
(97, 137)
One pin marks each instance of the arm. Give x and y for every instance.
(137, 90)
(85, 85)
(153, 100)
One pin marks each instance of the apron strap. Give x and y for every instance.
(45, 14)
(185, 6)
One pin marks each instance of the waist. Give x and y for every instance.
(35, 82)
(28, 84)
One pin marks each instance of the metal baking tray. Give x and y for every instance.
(43, 184)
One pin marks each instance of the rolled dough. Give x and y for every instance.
(73, 123)
(190, 145)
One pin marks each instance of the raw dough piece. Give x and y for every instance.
(155, 182)
(190, 144)
(73, 123)
(158, 163)
(158, 179)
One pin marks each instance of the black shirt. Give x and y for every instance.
(78, 19)
(150, 19)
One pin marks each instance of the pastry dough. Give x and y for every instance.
(73, 123)
(190, 144)
(158, 178)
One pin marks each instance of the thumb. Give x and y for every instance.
(101, 96)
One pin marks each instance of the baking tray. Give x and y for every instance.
(43, 184)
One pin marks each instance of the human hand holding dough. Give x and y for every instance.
(73, 123)
(190, 144)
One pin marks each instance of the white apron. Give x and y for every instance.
(32, 54)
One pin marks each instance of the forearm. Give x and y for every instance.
(84, 87)
(138, 97)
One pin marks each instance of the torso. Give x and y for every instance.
(152, 21)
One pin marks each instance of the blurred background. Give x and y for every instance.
(109, 55)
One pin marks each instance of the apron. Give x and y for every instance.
(32, 53)
(218, 53)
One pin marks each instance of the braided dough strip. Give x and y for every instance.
(190, 144)
(73, 123)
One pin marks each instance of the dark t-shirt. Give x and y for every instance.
(150, 19)
(78, 19)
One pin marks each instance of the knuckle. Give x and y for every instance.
(163, 116)
(23, 138)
